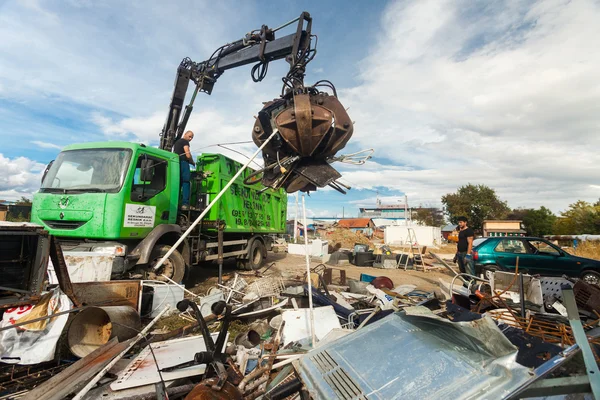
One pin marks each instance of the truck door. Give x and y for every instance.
(149, 202)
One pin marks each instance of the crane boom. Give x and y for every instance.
(259, 46)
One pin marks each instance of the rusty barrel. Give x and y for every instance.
(95, 326)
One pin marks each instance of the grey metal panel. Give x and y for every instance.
(415, 357)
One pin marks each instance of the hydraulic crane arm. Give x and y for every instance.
(259, 46)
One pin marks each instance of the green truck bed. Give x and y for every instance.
(242, 207)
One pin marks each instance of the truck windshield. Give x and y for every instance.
(89, 170)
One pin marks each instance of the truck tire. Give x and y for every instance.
(256, 257)
(173, 267)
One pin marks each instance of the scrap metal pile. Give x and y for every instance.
(257, 336)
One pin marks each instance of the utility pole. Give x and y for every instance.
(296, 220)
(342, 212)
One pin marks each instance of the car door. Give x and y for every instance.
(550, 260)
(508, 250)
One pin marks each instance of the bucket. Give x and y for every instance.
(95, 326)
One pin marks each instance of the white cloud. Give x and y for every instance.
(46, 145)
(19, 177)
(504, 95)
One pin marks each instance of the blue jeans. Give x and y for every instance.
(186, 175)
(465, 265)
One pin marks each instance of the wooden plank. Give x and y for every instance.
(75, 376)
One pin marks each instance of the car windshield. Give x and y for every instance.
(89, 170)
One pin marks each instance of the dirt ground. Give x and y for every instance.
(292, 268)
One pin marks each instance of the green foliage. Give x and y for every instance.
(477, 203)
(18, 218)
(23, 201)
(538, 222)
(581, 218)
(428, 217)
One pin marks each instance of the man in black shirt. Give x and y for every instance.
(182, 147)
(465, 247)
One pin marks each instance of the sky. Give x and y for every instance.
(446, 93)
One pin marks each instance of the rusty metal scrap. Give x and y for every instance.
(76, 375)
(60, 268)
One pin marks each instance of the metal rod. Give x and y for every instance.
(310, 297)
(54, 315)
(286, 24)
(220, 251)
(521, 295)
(136, 339)
(212, 203)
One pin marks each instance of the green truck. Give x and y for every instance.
(122, 199)
(116, 205)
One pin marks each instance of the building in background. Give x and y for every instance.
(366, 226)
(447, 231)
(493, 228)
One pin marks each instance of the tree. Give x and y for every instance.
(538, 222)
(477, 203)
(581, 218)
(428, 216)
(23, 201)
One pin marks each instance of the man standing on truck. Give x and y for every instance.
(182, 148)
(465, 247)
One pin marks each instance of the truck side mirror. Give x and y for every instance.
(147, 170)
(46, 170)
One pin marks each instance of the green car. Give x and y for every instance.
(536, 256)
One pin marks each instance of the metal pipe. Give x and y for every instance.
(256, 383)
(375, 311)
(220, 251)
(136, 339)
(212, 203)
(521, 295)
(310, 298)
(252, 375)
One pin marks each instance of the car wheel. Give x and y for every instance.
(591, 277)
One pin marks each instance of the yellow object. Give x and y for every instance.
(453, 237)
(38, 311)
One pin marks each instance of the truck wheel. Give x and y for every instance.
(173, 267)
(255, 256)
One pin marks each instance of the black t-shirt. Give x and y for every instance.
(463, 244)
(178, 148)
